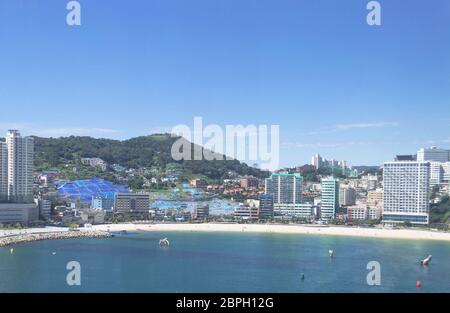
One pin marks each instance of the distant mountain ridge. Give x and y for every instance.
(145, 151)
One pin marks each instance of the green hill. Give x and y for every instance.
(152, 151)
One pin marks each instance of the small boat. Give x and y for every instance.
(330, 252)
(164, 242)
(12, 250)
(426, 261)
(53, 253)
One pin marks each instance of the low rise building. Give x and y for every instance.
(201, 212)
(265, 206)
(375, 198)
(198, 183)
(132, 203)
(247, 211)
(105, 202)
(363, 213)
(11, 213)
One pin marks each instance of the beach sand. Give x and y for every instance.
(283, 229)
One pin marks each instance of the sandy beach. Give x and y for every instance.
(411, 234)
(283, 229)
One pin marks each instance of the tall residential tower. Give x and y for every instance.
(3, 172)
(20, 167)
(406, 192)
(286, 190)
(330, 198)
(16, 179)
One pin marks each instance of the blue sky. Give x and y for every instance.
(335, 85)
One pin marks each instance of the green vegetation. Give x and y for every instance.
(152, 152)
(311, 174)
(11, 226)
(440, 212)
(73, 226)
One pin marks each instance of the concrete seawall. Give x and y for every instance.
(25, 238)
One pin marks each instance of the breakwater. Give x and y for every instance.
(25, 238)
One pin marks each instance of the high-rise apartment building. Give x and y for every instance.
(330, 198)
(286, 190)
(317, 161)
(20, 153)
(406, 192)
(16, 179)
(3, 172)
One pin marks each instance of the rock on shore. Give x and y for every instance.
(25, 238)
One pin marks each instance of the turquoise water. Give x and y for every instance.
(225, 262)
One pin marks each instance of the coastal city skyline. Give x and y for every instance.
(401, 193)
(374, 86)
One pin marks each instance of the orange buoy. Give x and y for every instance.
(418, 284)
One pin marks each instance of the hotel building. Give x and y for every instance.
(406, 192)
(132, 203)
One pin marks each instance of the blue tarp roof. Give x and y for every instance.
(86, 189)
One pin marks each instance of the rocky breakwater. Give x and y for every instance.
(25, 238)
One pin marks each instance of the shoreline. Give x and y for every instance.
(12, 237)
(410, 234)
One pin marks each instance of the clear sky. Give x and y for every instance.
(335, 85)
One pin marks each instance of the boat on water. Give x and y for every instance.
(164, 242)
(330, 252)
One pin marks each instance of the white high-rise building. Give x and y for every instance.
(16, 180)
(330, 198)
(20, 167)
(317, 161)
(3, 172)
(433, 154)
(286, 190)
(406, 192)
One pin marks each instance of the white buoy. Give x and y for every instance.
(164, 242)
(427, 260)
